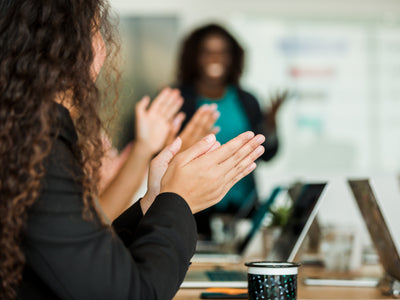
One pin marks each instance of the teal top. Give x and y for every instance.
(232, 121)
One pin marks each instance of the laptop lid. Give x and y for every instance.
(305, 208)
(377, 226)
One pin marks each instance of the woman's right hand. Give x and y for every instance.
(205, 172)
(200, 125)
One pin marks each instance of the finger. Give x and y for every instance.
(177, 123)
(247, 150)
(215, 146)
(208, 120)
(215, 130)
(211, 121)
(193, 127)
(169, 152)
(247, 165)
(204, 121)
(171, 105)
(224, 152)
(244, 168)
(160, 98)
(142, 105)
(250, 168)
(198, 149)
(175, 146)
(245, 162)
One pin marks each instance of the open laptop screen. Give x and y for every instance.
(376, 226)
(304, 209)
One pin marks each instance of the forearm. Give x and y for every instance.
(151, 265)
(118, 194)
(162, 247)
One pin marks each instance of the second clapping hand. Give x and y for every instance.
(200, 125)
(205, 172)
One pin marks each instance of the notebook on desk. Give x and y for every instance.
(304, 210)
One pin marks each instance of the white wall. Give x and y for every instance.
(196, 11)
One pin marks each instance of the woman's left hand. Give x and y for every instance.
(155, 122)
(158, 167)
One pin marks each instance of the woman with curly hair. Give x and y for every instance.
(55, 241)
(210, 65)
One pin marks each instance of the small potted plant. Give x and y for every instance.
(278, 216)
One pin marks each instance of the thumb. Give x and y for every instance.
(165, 156)
(199, 148)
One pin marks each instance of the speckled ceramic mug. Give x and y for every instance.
(272, 280)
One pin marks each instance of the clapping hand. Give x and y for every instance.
(203, 173)
(200, 125)
(156, 121)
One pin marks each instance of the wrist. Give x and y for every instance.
(146, 202)
(143, 149)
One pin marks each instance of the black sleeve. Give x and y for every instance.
(84, 259)
(126, 224)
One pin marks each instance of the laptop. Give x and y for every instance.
(377, 226)
(304, 210)
(372, 212)
(210, 252)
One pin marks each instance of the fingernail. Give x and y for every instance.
(260, 139)
(249, 135)
(210, 138)
(216, 115)
(259, 150)
(176, 121)
(252, 166)
(213, 106)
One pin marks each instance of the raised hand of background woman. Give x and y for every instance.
(276, 101)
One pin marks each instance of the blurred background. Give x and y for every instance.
(339, 59)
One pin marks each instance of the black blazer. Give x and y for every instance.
(67, 257)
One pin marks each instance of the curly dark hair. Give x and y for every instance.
(188, 67)
(46, 52)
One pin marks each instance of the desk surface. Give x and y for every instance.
(312, 292)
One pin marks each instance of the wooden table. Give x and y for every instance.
(312, 292)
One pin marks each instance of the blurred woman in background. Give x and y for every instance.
(210, 65)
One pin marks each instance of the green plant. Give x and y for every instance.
(280, 215)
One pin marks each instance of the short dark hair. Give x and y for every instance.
(188, 69)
